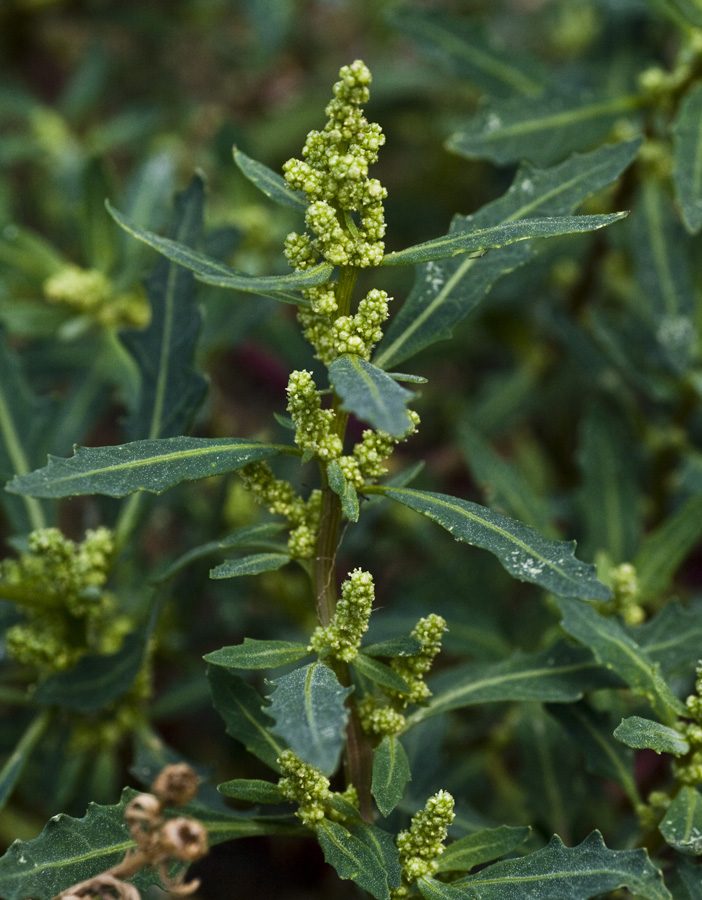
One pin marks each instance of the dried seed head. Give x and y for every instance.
(184, 839)
(143, 812)
(176, 785)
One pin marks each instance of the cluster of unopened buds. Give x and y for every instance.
(160, 841)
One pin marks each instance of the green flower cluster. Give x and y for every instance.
(342, 636)
(315, 436)
(334, 175)
(428, 631)
(381, 718)
(309, 788)
(421, 846)
(280, 498)
(91, 292)
(345, 219)
(58, 584)
(688, 769)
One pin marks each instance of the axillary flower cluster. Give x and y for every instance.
(59, 586)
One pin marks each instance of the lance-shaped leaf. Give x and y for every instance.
(379, 673)
(621, 654)
(255, 654)
(211, 271)
(609, 492)
(663, 271)
(445, 292)
(591, 733)
(268, 181)
(391, 772)
(466, 47)
(96, 680)
(23, 419)
(480, 847)
(365, 854)
(687, 158)
(496, 236)
(250, 565)
(542, 129)
(252, 789)
(402, 646)
(556, 872)
(72, 850)
(249, 536)
(683, 12)
(171, 391)
(645, 734)
(310, 716)
(522, 551)
(672, 639)
(371, 394)
(152, 466)
(241, 707)
(560, 674)
(506, 487)
(664, 549)
(14, 765)
(682, 824)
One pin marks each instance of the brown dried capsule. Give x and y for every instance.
(176, 784)
(184, 839)
(142, 814)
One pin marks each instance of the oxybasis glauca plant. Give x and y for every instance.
(336, 698)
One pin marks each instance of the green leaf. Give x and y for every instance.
(241, 707)
(591, 733)
(467, 48)
(687, 158)
(496, 236)
(96, 680)
(664, 549)
(664, 274)
(371, 394)
(151, 466)
(249, 536)
(391, 772)
(445, 292)
(682, 824)
(268, 181)
(308, 709)
(344, 490)
(644, 734)
(402, 646)
(609, 492)
(683, 12)
(255, 654)
(364, 854)
(252, 789)
(14, 765)
(522, 551)
(23, 419)
(507, 489)
(171, 391)
(559, 674)
(250, 565)
(621, 654)
(576, 873)
(379, 673)
(689, 886)
(211, 271)
(72, 850)
(672, 639)
(480, 847)
(542, 129)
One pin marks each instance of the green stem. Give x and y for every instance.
(357, 753)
